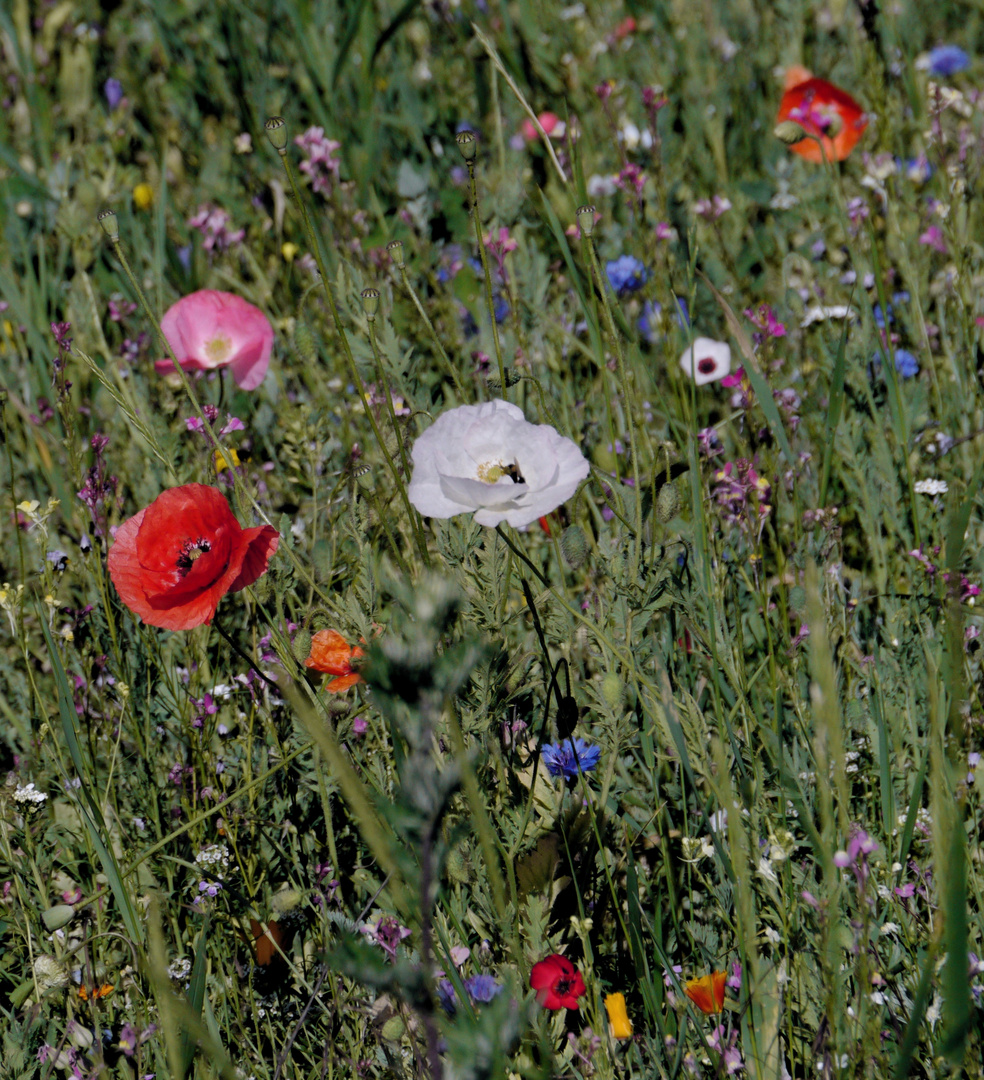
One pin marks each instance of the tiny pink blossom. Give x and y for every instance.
(210, 329)
(933, 237)
(550, 122)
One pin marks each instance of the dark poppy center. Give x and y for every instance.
(191, 551)
(562, 987)
(706, 365)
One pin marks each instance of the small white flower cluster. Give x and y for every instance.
(30, 798)
(930, 487)
(215, 859)
(179, 970)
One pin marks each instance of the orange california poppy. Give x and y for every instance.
(707, 992)
(96, 992)
(332, 655)
(823, 111)
(619, 1024)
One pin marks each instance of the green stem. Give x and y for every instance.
(490, 303)
(433, 332)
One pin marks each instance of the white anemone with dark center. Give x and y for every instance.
(490, 461)
(707, 361)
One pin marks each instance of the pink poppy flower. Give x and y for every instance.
(210, 329)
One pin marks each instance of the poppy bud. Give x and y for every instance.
(457, 865)
(304, 343)
(467, 144)
(585, 219)
(612, 690)
(58, 916)
(667, 503)
(789, 132)
(574, 546)
(107, 218)
(395, 249)
(276, 129)
(301, 645)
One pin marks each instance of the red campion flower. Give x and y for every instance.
(331, 654)
(174, 561)
(557, 982)
(823, 111)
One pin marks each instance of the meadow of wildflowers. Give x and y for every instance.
(491, 539)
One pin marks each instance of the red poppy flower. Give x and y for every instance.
(707, 992)
(823, 111)
(174, 561)
(332, 655)
(557, 982)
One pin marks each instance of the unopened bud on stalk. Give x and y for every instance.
(304, 342)
(585, 219)
(395, 249)
(370, 303)
(574, 546)
(612, 690)
(467, 144)
(276, 129)
(667, 503)
(789, 132)
(58, 916)
(107, 218)
(301, 645)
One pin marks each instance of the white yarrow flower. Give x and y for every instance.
(821, 314)
(707, 361)
(489, 460)
(930, 487)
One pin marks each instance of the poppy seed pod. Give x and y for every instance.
(585, 219)
(370, 303)
(107, 218)
(276, 129)
(467, 144)
(395, 249)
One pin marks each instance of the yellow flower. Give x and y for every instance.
(289, 250)
(220, 461)
(143, 196)
(619, 1024)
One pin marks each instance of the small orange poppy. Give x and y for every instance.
(824, 112)
(265, 944)
(331, 654)
(96, 992)
(707, 992)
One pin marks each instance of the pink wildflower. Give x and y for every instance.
(210, 329)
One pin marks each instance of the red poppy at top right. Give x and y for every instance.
(825, 112)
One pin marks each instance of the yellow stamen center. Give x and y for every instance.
(218, 348)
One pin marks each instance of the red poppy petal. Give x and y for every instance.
(343, 682)
(261, 543)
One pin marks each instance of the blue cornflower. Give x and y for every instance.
(946, 60)
(649, 319)
(563, 758)
(906, 364)
(626, 274)
(482, 988)
(889, 313)
(446, 997)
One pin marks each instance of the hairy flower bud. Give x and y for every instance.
(789, 132)
(574, 546)
(667, 502)
(301, 646)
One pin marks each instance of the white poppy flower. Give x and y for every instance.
(707, 361)
(489, 460)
